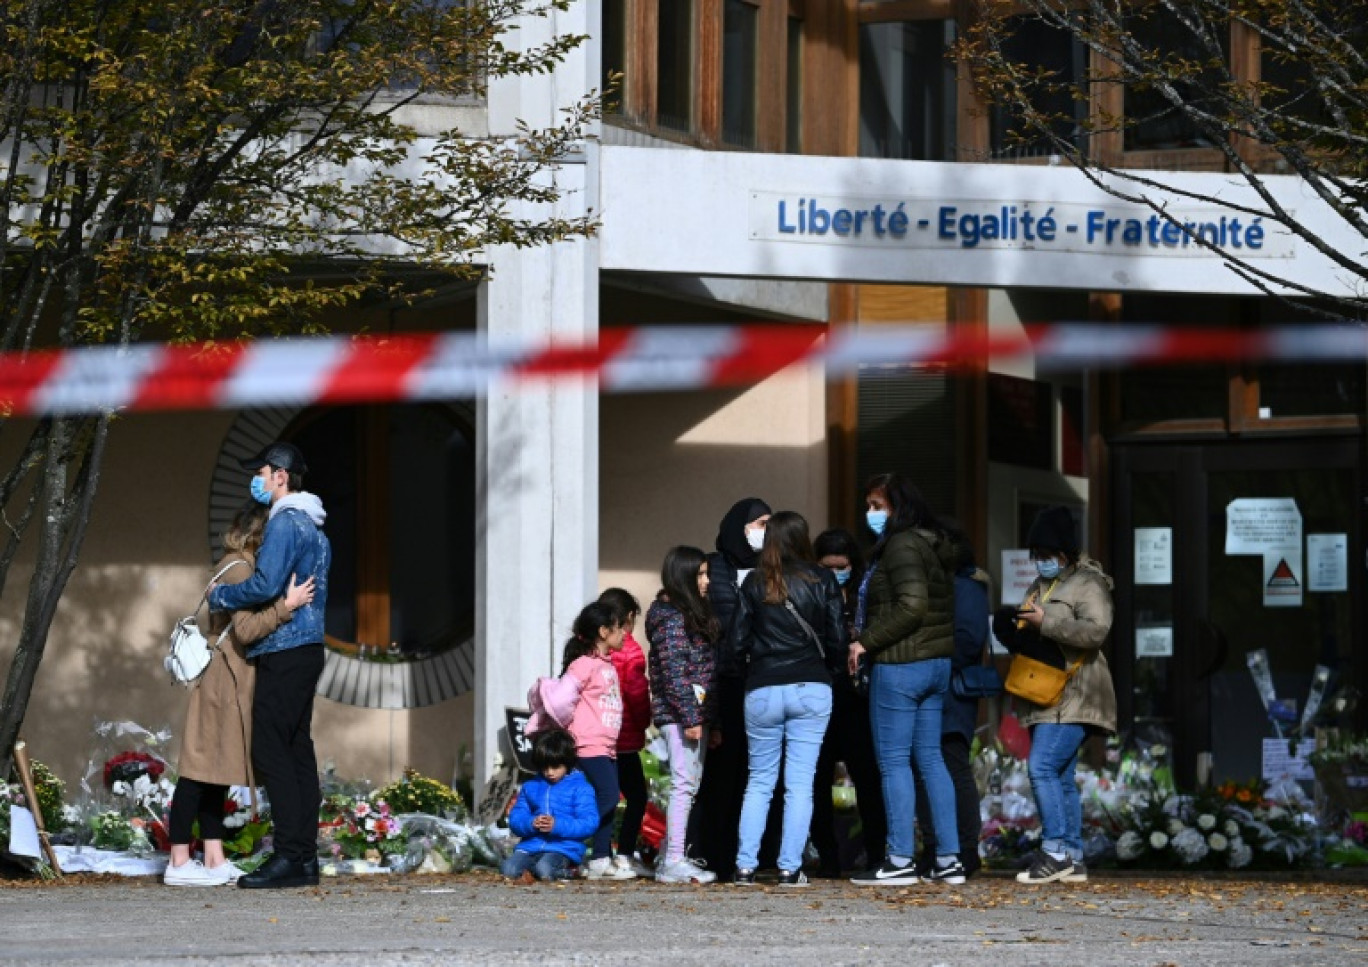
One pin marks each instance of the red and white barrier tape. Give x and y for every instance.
(337, 369)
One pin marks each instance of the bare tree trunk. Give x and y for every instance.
(66, 507)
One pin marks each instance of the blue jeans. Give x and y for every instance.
(790, 720)
(544, 866)
(905, 702)
(1054, 761)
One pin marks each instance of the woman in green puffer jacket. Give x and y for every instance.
(906, 629)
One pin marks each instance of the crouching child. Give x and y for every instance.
(554, 814)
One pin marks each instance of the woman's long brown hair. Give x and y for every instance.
(245, 533)
(786, 541)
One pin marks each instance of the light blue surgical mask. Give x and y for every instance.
(877, 520)
(1048, 568)
(842, 575)
(259, 492)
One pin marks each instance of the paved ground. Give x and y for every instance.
(478, 919)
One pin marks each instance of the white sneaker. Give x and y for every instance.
(685, 871)
(227, 872)
(605, 868)
(192, 873)
(623, 868)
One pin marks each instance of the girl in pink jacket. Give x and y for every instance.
(587, 666)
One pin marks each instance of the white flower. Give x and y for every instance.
(1172, 804)
(1231, 828)
(1275, 813)
(1217, 842)
(1190, 845)
(1130, 845)
(142, 786)
(120, 788)
(1240, 854)
(1175, 826)
(362, 808)
(1158, 840)
(235, 820)
(71, 815)
(1206, 822)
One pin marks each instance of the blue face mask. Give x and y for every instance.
(1048, 569)
(842, 575)
(877, 520)
(259, 492)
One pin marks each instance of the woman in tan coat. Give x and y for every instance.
(218, 724)
(1064, 621)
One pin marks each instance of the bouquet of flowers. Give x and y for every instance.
(128, 767)
(1341, 764)
(358, 828)
(112, 830)
(1228, 828)
(416, 793)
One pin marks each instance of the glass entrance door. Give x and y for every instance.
(1188, 612)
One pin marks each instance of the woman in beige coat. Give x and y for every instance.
(1064, 621)
(218, 723)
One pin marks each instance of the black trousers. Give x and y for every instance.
(849, 739)
(196, 800)
(283, 749)
(955, 750)
(632, 783)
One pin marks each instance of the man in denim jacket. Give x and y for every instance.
(288, 662)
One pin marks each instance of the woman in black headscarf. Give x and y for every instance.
(717, 809)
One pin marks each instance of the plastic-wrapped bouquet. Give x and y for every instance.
(357, 828)
(129, 767)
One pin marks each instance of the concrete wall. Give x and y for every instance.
(672, 464)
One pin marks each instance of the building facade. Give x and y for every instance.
(468, 535)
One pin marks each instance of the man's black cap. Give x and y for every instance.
(282, 456)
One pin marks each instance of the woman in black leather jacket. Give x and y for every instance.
(789, 634)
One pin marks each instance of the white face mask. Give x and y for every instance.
(756, 538)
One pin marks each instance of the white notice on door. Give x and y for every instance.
(1018, 574)
(1327, 562)
(1154, 555)
(1154, 642)
(1255, 524)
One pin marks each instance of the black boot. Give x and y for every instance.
(276, 873)
(311, 871)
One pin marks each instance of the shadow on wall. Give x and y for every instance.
(102, 663)
(672, 464)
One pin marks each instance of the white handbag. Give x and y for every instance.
(190, 653)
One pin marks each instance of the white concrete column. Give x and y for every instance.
(537, 461)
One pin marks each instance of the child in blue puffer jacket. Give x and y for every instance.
(554, 813)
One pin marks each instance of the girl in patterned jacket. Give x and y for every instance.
(682, 630)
